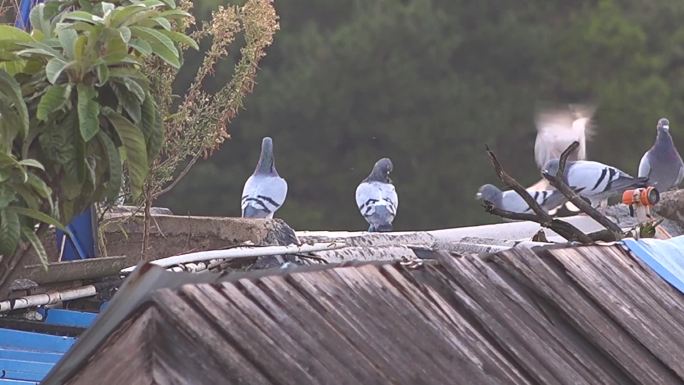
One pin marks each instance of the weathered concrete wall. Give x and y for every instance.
(173, 234)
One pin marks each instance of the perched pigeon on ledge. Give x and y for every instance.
(593, 180)
(265, 190)
(662, 164)
(509, 200)
(376, 197)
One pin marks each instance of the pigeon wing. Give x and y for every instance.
(644, 165)
(264, 192)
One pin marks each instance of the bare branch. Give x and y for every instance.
(509, 182)
(564, 159)
(564, 229)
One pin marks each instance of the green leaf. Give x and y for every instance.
(125, 33)
(28, 195)
(152, 3)
(39, 186)
(9, 232)
(67, 37)
(116, 48)
(170, 3)
(10, 88)
(136, 151)
(102, 74)
(54, 68)
(37, 215)
(120, 15)
(7, 196)
(79, 48)
(36, 244)
(52, 100)
(31, 163)
(82, 16)
(39, 21)
(181, 38)
(8, 32)
(152, 127)
(128, 100)
(88, 112)
(161, 45)
(135, 87)
(115, 177)
(162, 22)
(141, 46)
(175, 14)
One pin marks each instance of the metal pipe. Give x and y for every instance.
(47, 298)
(241, 252)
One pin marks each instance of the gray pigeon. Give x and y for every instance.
(593, 180)
(662, 164)
(376, 197)
(509, 200)
(265, 190)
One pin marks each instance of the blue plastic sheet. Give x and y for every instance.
(665, 257)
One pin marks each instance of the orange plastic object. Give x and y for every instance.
(648, 196)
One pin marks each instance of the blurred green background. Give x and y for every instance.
(428, 83)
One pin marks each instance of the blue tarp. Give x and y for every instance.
(27, 357)
(665, 257)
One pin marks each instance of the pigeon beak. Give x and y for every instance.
(666, 127)
(478, 196)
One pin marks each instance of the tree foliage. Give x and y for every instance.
(429, 83)
(77, 111)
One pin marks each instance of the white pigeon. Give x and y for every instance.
(593, 180)
(265, 191)
(558, 128)
(662, 163)
(376, 197)
(509, 200)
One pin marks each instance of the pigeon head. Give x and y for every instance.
(663, 125)
(551, 167)
(381, 171)
(488, 192)
(266, 163)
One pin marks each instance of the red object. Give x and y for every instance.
(648, 196)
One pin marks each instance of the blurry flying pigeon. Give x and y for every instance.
(265, 190)
(662, 164)
(376, 198)
(557, 129)
(509, 200)
(593, 180)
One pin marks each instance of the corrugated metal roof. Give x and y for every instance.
(583, 315)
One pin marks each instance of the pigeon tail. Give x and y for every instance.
(382, 228)
(381, 219)
(253, 212)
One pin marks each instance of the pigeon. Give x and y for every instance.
(509, 200)
(376, 197)
(662, 164)
(594, 181)
(265, 190)
(558, 128)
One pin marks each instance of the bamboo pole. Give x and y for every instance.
(240, 252)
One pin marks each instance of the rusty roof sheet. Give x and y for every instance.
(583, 315)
